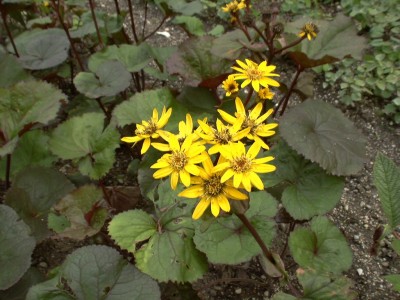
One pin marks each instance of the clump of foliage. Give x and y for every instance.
(77, 81)
(378, 72)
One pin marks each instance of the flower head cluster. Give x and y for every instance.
(216, 162)
(309, 30)
(149, 129)
(234, 6)
(256, 74)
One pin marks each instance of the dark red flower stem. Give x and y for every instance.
(4, 18)
(91, 4)
(56, 7)
(135, 37)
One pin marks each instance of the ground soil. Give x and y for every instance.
(358, 214)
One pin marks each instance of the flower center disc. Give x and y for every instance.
(241, 164)
(254, 74)
(149, 129)
(223, 137)
(213, 186)
(178, 160)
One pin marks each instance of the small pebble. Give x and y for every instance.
(43, 264)
(356, 237)
(238, 291)
(385, 264)
(360, 271)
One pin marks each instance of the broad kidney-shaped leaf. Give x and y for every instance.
(82, 213)
(20, 289)
(387, 181)
(336, 39)
(16, 247)
(322, 247)
(133, 58)
(320, 286)
(24, 105)
(11, 70)
(324, 135)
(98, 272)
(42, 49)
(302, 184)
(167, 241)
(395, 280)
(84, 139)
(109, 79)
(227, 241)
(195, 63)
(32, 150)
(34, 191)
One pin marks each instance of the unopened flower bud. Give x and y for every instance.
(278, 28)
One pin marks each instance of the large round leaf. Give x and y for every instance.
(227, 241)
(22, 106)
(109, 79)
(84, 139)
(34, 191)
(322, 247)
(306, 189)
(42, 49)
(97, 272)
(11, 70)
(324, 135)
(16, 247)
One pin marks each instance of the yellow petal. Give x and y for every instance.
(164, 118)
(214, 207)
(253, 150)
(242, 64)
(192, 169)
(245, 83)
(208, 164)
(160, 164)
(161, 147)
(256, 180)
(263, 168)
(256, 111)
(263, 160)
(200, 208)
(131, 139)
(264, 116)
(155, 115)
(223, 203)
(174, 180)
(146, 145)
(237, 179)
(187, 143)
(164, 172)
(256, 85)
(194, 191)
(239, 106)
(220, 167)
(185, 177)
(246, 182)
(227, 117)
(234, 193)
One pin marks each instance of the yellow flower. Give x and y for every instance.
(210, 190)
(265, 94)
(252, 120)
(222, 135)
(46, 3)
(230, 86)
(255, 74)
(149, 129)
(234, 6)
(243, 167)
(310, 30)
(181, 162)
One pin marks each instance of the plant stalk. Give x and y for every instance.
(91, 4)
(8, 171)
(135, 37)
(56, 7)
(249, 96)
(158, 27)
(285, 99)
(4, 18)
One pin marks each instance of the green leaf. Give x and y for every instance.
(336, 40)
(167, 240)
(322, 247)
(301, 184)
(200, 100)
(24, 105)
(186, 8)
(131, 227)
(395, 280)
(31, 150)
(83, 138)
(227, 241)
(147, 184)
(19, 290)
(319, 286)
(11, 71)
(134, 58)
(80, 214)
(229, 45)
(97, 272)
(192, 24)
(387, 181)
(324, 135)
(109, 79)
(195, 63)
(16, 247)
(42, 49)
(34, 191)
(396, 246)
